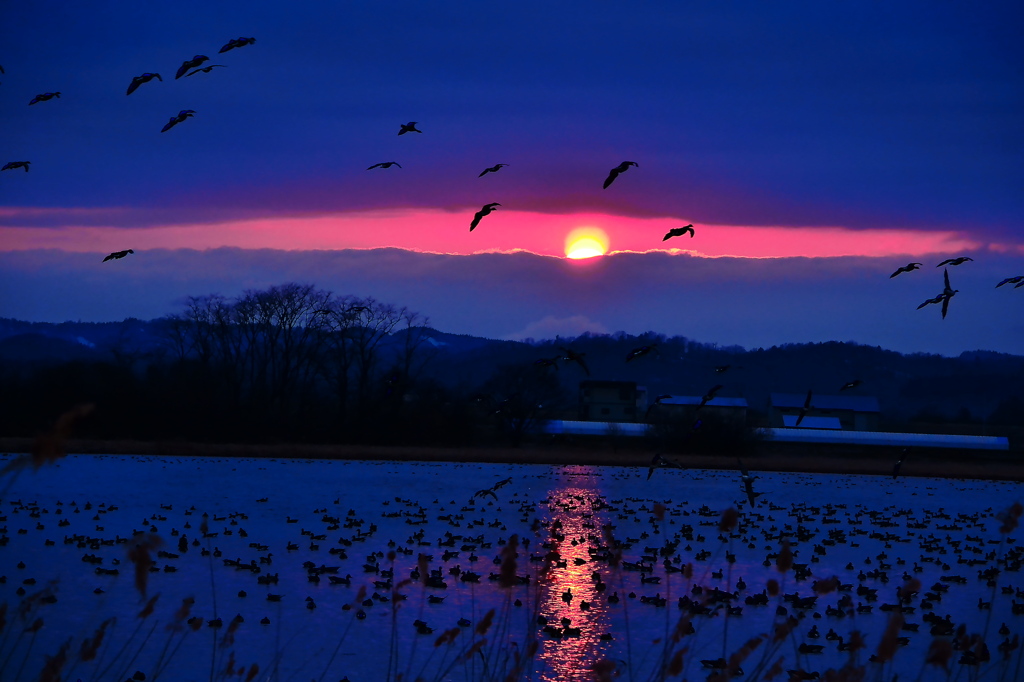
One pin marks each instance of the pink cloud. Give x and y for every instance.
(505, 230)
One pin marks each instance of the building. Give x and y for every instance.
(612, 401)
(854, 413)
(726, 411)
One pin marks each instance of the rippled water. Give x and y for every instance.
(385, 507)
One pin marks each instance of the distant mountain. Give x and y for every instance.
(971, 387)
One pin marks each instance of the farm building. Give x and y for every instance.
(854, 413)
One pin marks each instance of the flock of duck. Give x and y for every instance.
(570, 557)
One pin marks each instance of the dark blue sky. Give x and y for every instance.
(901, 117)
(858, 115)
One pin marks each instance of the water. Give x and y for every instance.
(385, 507)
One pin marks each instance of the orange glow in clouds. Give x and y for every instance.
(586, 242)
(437, 231)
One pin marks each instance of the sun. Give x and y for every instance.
(586, 242)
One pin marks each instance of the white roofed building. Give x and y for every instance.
(854, 413)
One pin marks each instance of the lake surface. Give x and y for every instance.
(868, 531)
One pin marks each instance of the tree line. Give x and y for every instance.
(291, 363)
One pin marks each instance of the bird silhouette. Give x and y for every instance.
(1018, 280)
(409, 127)
(205, 69)
(899, 464)
(43, 97)
(678, 232)
(175, 120)
(621, 168)
(954, 261)
(11, 165)
(909, 267)
(237, 42)
(478, 216)
(709, 396)
(117, 255)
(805, 409)
(139, 80)
(385, 164)
(573, 356)
(947, 293)
(748, 483)
(189, 64)
(640, 351)
(851, 384)
(657, 401)
(658, 462)
(938, 299)
(493, 169)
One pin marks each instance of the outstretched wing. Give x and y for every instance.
(476, 220)
(611, 178)
(136, 82)
(945, 305)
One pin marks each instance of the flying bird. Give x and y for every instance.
(139, 80)
(548, 362)
(493, 169)
(478, 216)
(947, 293)
(237, 42)
(621, 168)
(710, 395)
(11, 165)
(205, 69)
(385, 164)
(409, 127)
(573, 356)
(641, 351)
(175, 120)
(896, 467)
(851, 384)
(805, 409)
(678, 232)
(1018, 280)
(748, 483)
(657, 401)
(117, 255)
(909, 267)
(189, 64)
(43, 97)
(938, 299)
(954, 261)
(658, 461)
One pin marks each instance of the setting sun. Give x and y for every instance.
(586, 242)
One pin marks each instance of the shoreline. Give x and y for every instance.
(804, 459)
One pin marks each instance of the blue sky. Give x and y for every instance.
(898, 123)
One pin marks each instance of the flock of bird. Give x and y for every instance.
(591, 555)
(948, 291)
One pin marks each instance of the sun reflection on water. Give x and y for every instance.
(570, 600)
